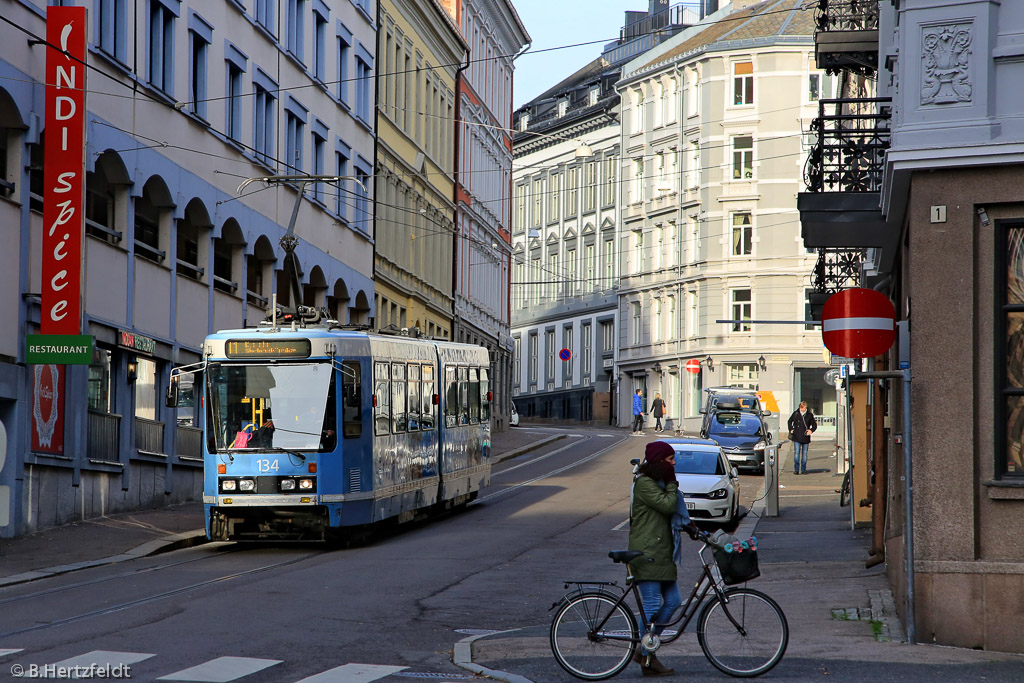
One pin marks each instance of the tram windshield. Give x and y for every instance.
(257, 407)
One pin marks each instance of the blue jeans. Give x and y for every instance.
(800, 456)
(660, 599)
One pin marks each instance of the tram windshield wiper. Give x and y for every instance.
(298, 455)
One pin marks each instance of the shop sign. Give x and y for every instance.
(61, 349)
(48, 409)
(136, 342)
(63, 171)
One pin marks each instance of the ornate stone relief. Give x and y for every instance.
(946, 74)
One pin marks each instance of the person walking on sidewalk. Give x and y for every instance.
(658, 411)
(801, 425)
(638, 413)
(657, 513)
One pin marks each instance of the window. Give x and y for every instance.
(197, 74)
(694, 239)
(670, 253)
(295, 27)
(587, 356)
(399, 408)
(659, 104)
(223, 265)
(636, 188)
(571, 274)
(266, 11)
(352, 400)
(589, 268)
(344, 58)
(517, 362)
(382, 399)
(234, 102)
(463, 396)
(638, 252)
(608, 281)
(637, 118)
(1010, 350)
(743, 375)
(294, 128)
(520, 199)
(819, 87)
(567, 365)
(637, 326)
(807, 308)
(533, 358)
(101, 386)
(659, 247)
(571, 189)
(743, 83)
(319, 46)
(673, 328)
(341, 166)
(413, 397)
(319, 147)
(485, 402)
(111, 29)
(693, 314)
(554, 196)
(656, 323)
(161, 47)
(693, 106)
(589, 186)
(742, 234)
(364, 81)
(608, 182)
(607, 336)
(263, 127)
(549, 355)
(693, 170)
(554, 276)
(741, 309)
(538, 201)
(145, 389)
(661, 186)
(669, 102)
(147, 228)
(362, 199)
(742, 157)
(451, 402)
(427, 391)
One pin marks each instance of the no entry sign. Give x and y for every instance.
(858, 323)
(693, 366)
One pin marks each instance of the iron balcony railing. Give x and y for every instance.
(837, 269)
(849, 139)
(102, 441)
(190, 442)
(846, 15)
(149, 435)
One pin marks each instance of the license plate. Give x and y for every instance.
(691, 506)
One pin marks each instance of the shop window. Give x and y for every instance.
(101, 388)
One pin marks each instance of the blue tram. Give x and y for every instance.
(315, 429)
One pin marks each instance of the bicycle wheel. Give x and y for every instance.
(590, 639)
(844, 491)
(750, 649)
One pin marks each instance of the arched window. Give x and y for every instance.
(192, 241)
(152, 220)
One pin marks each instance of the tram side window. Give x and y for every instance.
(352, 404)
(414, 398)
(463, 396)
(427, 412)
(451, 401)
(399, 411)
(474, 395)
(382, 399)
(485, 405)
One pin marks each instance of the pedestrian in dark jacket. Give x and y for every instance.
(801, 425)
(658, 411)
(654, 501)
(638, 413)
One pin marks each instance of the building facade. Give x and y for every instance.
(483, 203)
(709, 238)
(935, 216)
(420, 48)
(184, 101)
(565, 221)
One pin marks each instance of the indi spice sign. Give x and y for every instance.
(64, 171)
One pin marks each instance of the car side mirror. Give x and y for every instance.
(766, 413)
(735, 473)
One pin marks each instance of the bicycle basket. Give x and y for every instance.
(736, 567)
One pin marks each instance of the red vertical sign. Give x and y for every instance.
(48, 409)
(64, 171)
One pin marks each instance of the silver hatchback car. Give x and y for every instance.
(710, 485)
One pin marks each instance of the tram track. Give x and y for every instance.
(144, 600)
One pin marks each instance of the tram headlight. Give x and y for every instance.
(228, 485)
(306, 484)
(287, 484)
(247, 485)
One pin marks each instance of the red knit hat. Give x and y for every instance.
(657, 451)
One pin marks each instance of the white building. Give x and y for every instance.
(185, 99)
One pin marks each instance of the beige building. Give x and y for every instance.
(419, 50)
(711, 265)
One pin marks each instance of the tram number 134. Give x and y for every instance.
(267, 465)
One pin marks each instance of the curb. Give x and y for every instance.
(528, 447)
(462, 657)
(186, 539)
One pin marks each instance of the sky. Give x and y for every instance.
(552, 23)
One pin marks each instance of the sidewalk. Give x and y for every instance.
(127, 536)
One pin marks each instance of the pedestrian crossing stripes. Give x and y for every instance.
(218, 670)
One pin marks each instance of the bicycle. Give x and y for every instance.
(844, 490)
(594, 635)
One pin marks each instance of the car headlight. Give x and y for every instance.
(306, 484)
(761, 445)
(247, 485)
(719, 493)
(228, 485)
(287, 484)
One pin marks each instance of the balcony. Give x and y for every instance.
(843, 175)
(847, 36)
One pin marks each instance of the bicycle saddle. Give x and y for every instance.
(625, 556)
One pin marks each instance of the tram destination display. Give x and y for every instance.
(268, 348)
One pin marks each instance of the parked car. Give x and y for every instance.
(730, 398)
(710, 485)
(743, 436)
(513, 420)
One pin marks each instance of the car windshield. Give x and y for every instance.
(266, 407)
(735, 424)
(698, 462)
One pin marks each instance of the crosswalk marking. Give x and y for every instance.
(354, 673)
(221, 670)
(4, 653)
(104, 658)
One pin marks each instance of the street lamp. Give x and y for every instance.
(761, 363)
(709, 361)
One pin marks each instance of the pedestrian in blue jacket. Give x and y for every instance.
(638, 413)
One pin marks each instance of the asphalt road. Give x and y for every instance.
(387, 610)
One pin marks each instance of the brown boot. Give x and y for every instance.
(650, 666)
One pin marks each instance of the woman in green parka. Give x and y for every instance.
(654, 501)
